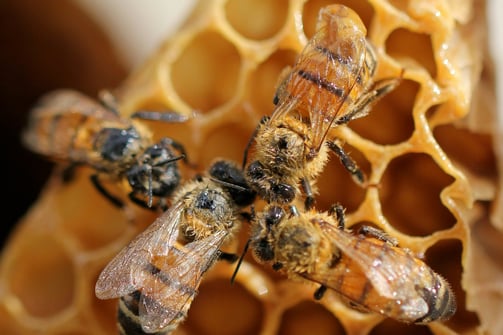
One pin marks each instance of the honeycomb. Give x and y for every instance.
(429, 146)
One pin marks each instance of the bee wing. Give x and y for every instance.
(169, 296)
(64, 111)
(343, 60)
(65, 101)
(129, 269)
(387, 268)
(324, 75)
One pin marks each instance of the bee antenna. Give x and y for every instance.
(234, 186)
(245, 250)
(294, 211)
(167, 161)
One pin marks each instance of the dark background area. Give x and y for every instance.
(44, 45)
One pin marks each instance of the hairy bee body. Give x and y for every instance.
(368, 270)
(158, 274)
(280, 144)
(70, 127)
(330, 84)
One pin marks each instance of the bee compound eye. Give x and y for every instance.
(274, 215)
(284, 193)
(135, 176)
(255, 170)
(220, 170)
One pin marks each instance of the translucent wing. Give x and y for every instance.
(343, 59)
(393, 272)
(168, 297)
(328, 68)
(70, 101)
(130, 269)
(58, 117)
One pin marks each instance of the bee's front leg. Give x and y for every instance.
(320, 292)
(348, 162)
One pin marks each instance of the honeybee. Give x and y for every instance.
(158, 274)
(68, 126)
(330, 84)
(366, 268)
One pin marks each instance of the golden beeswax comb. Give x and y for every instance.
(426, 148)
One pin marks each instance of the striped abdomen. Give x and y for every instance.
(166, 297)
(66, 125)
(397, 284)
(128, 316)
(107, 145)
(128, 320)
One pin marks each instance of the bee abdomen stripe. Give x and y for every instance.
(317, 80)
(346, 61)
(76, 132)
(166, 279)
(439, 303)
(340, 280)
(128, 317)
(333, 56)
(367, 287)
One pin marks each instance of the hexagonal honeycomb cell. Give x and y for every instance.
(427, 146)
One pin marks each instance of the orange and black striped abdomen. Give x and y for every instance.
(128, 320)
(331, 73)
(161, 291)
(413, 294)
(174, 303)
(68, 126)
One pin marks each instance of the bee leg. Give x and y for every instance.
(228, 257)
(263, 120)
(180, 148)
(320, 291)
(378, 234)
(113, 199)
(338, 211)
(277, 266)
(142, 203)
(68, 172)
(306, 186)
(164, 116)
(362, 105)
(347, 162)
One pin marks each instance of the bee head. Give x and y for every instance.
(156, 172)
(282, 193)
(273, 216)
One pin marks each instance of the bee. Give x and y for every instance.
(365, 267)
(158, 274)
(330, 84)
(68, 126)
